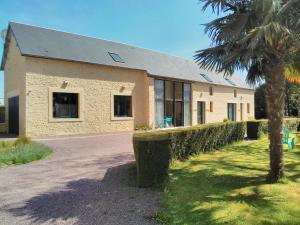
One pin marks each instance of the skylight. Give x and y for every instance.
(230, 82)
(206, 77)
(116, 57)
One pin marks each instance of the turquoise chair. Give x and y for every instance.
(168, 120)
(290, 141)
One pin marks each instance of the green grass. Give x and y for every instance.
(22, 153)
(229, 187)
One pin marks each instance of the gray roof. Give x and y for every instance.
(53, 44)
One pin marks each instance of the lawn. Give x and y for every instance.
(229, 187)
(21, 151)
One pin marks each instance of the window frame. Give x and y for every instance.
(168, 99)
(211, 90)
(113, 117)
(2, 107)
(124, 101)
(234, 104)
(211, 106)
(79, 92)
(116, 57)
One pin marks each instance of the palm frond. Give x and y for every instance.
(251, 32)
(292, 70)
(292, 74)
(219, 6)
(255, 73)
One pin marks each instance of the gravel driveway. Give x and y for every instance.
(86, 181)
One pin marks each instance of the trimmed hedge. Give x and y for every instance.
(154, 150)
(258, 128)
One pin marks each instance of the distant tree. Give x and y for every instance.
(263, 37)
(260, 102)
(292, 101)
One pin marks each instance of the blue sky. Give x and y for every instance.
(170, 26)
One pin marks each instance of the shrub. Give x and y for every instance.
(154, 150)
(24, 153)
(258, 128)
(142, 128)
(21, 140)
(225, 120)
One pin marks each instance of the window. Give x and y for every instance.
(65, 105)
(169, 99)
(159, 103)
(187, 104)
(122, 106)
(211, 106)
(248, 107)
(235, 93)
(206, 77)
(242, 111)
(231, 111)
(201, 112)
(116, 57)
(211, 90)
(230, 82)
(2, 114)
(173, 100)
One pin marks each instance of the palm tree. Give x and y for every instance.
(262, 37)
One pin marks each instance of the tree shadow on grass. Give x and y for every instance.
(113, 200)
(211, 198)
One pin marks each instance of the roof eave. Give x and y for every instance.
(5, 47)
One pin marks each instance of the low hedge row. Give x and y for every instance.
(258, 128)
(154, 150)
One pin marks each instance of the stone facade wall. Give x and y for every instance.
(34, 80)
(14, 82)
(221, 96)
(96, 86)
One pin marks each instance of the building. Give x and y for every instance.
(58, 83)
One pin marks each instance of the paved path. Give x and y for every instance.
(86, 181)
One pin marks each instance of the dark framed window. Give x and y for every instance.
(211, 106)
(230, 81)
(116, 57)
(211, 92)
(122, 106)
(65, 105)
(235, 93)
(201, 112)
(231, 111)
(248, 107)
(2, 114)
(206, 77)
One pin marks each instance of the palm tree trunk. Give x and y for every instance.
(275, 85)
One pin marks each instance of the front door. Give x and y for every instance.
(201, 112)
(13, 115)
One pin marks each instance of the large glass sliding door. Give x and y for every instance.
(178, 119)
(159, 103)
(187, 104)
(169, 99)
(174, 98)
